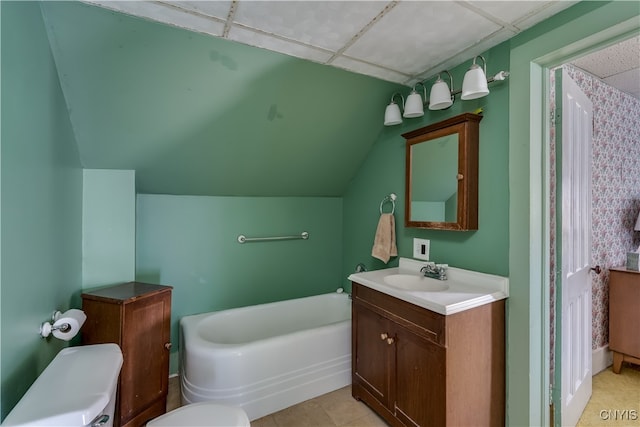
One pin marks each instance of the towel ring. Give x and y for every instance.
(391, 198)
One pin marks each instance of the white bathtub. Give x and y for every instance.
(267, 357)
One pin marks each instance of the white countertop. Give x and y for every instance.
(466, 289)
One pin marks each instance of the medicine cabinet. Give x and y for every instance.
(442, 174)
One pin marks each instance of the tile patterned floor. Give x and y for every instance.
(335, 409)
(611, 393)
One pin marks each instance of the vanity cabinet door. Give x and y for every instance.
(414, 367)
(419, 380)
(372, 353)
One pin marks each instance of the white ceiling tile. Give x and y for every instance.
(326, 24)
(612, 60)
(628, 81)
(467, 56)
(165, 14)
(506, 11)
(550, 9)
(415, 36)
(264, 41)
(368, 69)
(219, 8)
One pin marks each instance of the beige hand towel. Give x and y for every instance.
(384, 243)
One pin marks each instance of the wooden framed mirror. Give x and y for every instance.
(442, 175)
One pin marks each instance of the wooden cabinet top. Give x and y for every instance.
(624, 270)
(125, 292)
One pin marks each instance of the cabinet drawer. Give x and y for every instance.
(419, 320)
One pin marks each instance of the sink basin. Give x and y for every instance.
(413, 282)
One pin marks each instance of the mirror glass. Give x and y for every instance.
(434, 195)
(442, 174)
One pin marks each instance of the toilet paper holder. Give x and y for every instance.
(47, 327)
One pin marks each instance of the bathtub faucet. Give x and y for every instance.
(435, 271)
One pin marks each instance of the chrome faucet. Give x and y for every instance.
(435, 271)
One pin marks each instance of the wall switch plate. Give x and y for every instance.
(421, 249)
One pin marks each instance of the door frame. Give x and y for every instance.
(545, 64)
(529, 212)
(558, 387)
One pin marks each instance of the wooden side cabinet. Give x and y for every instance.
(624, 316)
(137, 317)
(415, 367)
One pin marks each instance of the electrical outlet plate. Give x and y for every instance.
(421, 249)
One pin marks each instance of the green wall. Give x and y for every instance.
(108, 227)
(383, 172)
(41, 201)
(190, 243)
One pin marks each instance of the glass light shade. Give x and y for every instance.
(413, 107)
(392, 115)
(440, 96)
(474, 84)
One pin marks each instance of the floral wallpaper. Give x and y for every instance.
(615, 190)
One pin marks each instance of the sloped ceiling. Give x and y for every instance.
(202, 115)
(194, 114)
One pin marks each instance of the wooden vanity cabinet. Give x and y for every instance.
(415, 367)
(137, 317)
(624, 316)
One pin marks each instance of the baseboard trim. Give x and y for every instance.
(601, 359)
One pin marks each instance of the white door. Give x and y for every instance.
(574, 131)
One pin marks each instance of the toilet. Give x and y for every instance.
(202, 414)
(71, 391)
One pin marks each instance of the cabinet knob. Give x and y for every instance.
(383, 336)
(390, 341)
(167, 346)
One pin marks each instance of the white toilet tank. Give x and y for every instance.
(78, 388)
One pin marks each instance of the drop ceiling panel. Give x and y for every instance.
(166, 14)
(467, 56)
(628, 81)
(369, 69)
(439, 31)
(510, 12)
(288, 47)
(329, 25)
(617, 58)
(539, 15)
(218, 9)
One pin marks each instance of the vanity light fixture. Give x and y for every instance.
(392, 114)
(474, 84)
(414, 107)
(442, 96)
